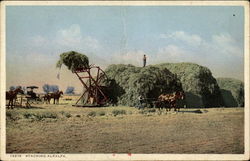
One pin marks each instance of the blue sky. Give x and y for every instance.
(206, 35)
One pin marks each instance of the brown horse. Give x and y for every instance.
(169, 100)
(11, 96)
(47, 98)
(56, 96)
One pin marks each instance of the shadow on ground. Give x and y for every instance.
(30, 107)
(194, 111)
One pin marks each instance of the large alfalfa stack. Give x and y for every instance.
(200, 86)
(128, 82)
(232, 91)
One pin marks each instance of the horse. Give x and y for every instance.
(47, 98)
(169, 100)
(56, 96)
(11, 96)
(164, 101)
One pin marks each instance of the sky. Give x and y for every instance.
(212, 36)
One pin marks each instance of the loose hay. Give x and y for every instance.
(127, 83)
(200, 87)
(232, 91)
(73, 60)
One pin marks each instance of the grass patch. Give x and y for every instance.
(146, 111)
(62, 112)
(101, 113)
(13, 116)
(92, 114)
(66, 114)
(118, 112)
(151, 110)
(49, 115)
(39, 116)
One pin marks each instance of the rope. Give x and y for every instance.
(58, 74)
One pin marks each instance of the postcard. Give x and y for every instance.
(125, 80)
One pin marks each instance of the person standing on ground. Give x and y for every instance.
(144, 60)
(140, 98)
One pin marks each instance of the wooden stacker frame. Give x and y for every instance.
(94, 94)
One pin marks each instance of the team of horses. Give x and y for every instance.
(56, 95)
(169, 101)
(11, 96)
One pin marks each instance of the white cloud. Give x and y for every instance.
(173, 53)
(91, 42)
(172, 50)
(169, 53)
(226, 45)
(190, 39)
(222, 45)
(39, 40)
(70, 36)
(131, 57)
(73, 31)
(223, 38)
(221, 53)
(65, 39)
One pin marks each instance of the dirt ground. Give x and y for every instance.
(66, 129)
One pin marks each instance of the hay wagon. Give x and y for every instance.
(32, 97)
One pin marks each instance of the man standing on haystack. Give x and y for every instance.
(144, 60)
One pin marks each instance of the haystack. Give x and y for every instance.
(73, 60)
(128, 82)
(199, 85)
(232, 91)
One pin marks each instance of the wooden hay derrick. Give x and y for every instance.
(91, 78)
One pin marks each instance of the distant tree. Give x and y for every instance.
(15, 87)
(12, 88)
(24, 89)
(53, 88)
(50, 88)
(70, 90)
(18, 87)
(46, 88)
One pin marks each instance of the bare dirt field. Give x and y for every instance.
(66, 129)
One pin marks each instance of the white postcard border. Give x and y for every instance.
(5, 156)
